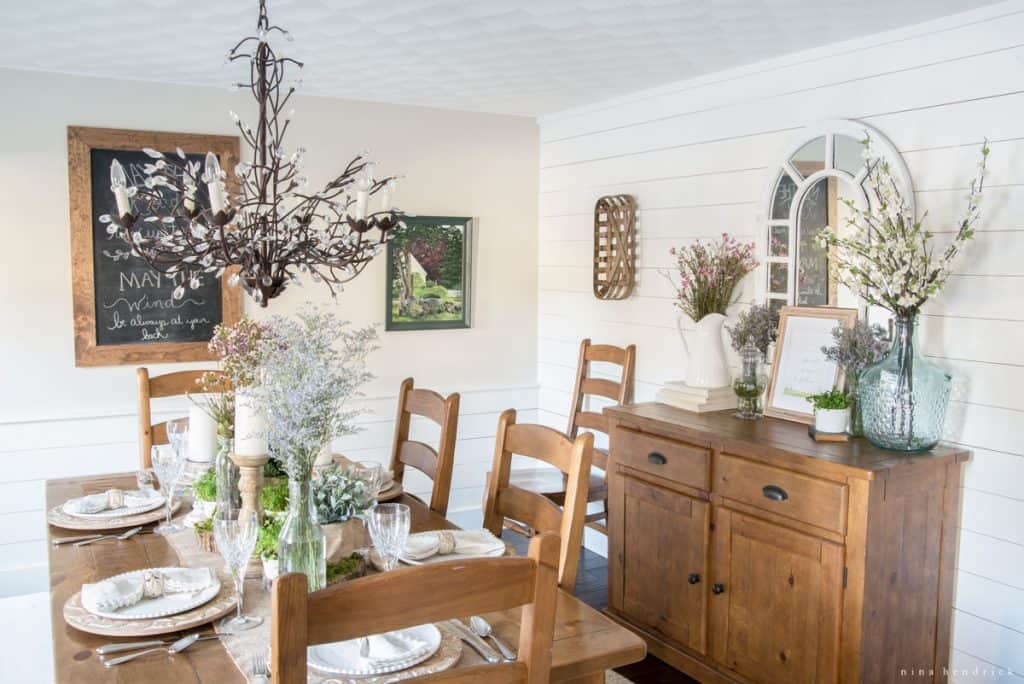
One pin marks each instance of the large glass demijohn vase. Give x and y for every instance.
(302, 546)
(904, 397)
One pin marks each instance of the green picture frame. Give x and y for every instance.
(430, 274)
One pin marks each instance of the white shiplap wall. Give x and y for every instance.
(697, 156)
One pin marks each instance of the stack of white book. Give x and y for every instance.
(698, 399)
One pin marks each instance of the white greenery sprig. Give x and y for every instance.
(312, 367)
(886, 256)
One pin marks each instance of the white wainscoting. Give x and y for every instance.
(697, 156)
(88, 445)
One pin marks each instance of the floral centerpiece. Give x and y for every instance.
(854, 350)
(312, 367)
(757, 326)
(238, 349)
(887, 257)
(708, 275)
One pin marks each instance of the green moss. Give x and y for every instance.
(205, 488)
(274, 497)
(345, 567)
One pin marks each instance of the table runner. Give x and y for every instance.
(256, 601)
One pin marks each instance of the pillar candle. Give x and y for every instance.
(202, 435)
(250, 426)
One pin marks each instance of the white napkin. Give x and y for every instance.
(120, 592)
(463, 542)
(97, 503)
(387, 648)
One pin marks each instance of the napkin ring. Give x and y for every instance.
(445, 542)
(115, 498)
(152, 584)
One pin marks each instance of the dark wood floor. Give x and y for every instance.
(592, 589)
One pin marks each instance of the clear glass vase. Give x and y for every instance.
(229, 498)
(903, 397)
(749, 386)
(302, 546)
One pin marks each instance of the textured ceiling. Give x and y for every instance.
(512, 56)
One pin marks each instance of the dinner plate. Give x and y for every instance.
(156, 500)
(342, 657)
(161, 606)
(58, 518)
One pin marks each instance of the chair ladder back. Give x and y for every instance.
(174, 384)
(437, 464)
(621, 392)
(571, 457)
(385, 602)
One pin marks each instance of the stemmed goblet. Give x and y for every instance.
(372, 473)
(235, 536)
(389, 531)
(169, 465)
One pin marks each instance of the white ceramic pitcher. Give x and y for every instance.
(706, 365)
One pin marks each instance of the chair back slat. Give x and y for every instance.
(571, 457)
(620, 391)
(607, 353)
(420, 456)
(601, 387)
(384, 602)
(532, 509)
(435, 464)
(592, 421)
(174, 384)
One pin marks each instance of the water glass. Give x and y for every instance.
(235, 537)
(372, 473)
(389, 531)
(169, 465)
(177, 434)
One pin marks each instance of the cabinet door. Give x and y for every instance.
(659, 579)
(775, 601)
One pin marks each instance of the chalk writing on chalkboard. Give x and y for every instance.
(134, 302)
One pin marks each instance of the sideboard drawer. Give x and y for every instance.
(814, 501)
(661, 457)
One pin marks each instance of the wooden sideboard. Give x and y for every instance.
(743, 551)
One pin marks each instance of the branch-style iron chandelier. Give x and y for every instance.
(273, 229)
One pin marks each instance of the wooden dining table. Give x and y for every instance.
(586, 642)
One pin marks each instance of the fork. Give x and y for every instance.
(122, 536)
(258, 669)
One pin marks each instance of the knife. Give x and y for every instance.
(71, 540)
(478, 644)
(131, 646)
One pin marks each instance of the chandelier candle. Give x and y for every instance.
(270, 226)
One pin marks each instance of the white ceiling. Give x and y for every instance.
(512, 56)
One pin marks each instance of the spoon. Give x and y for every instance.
(124, 535)
(177, 647)
(482, 629)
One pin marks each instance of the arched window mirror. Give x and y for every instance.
(825, 166)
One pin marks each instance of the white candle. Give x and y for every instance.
(360, 205)
(202, 435)
(250, 426)
(218, 199)
(119, 186)
(387, 196)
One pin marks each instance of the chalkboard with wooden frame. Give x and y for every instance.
(124, 312)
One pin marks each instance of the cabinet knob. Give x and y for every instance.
(694, 578)
(774, 492)
(717, 588)
(656, 459)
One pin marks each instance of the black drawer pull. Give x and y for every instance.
(717, 588)
(655, 458)
(694, 578)
(774, 492)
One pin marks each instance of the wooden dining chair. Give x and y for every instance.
(532, 513)
(550, 484)
(157, 387)
(414, 596)
(437, 464)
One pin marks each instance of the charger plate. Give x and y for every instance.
(162, 606)
(58, 518)
(78, 617)
(156, 500)
(446, 657)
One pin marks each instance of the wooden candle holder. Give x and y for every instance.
(250, 481)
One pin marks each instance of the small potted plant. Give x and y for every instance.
(204, 492)
(831, 411)
(266, 546)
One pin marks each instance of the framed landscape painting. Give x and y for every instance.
(429, 274)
